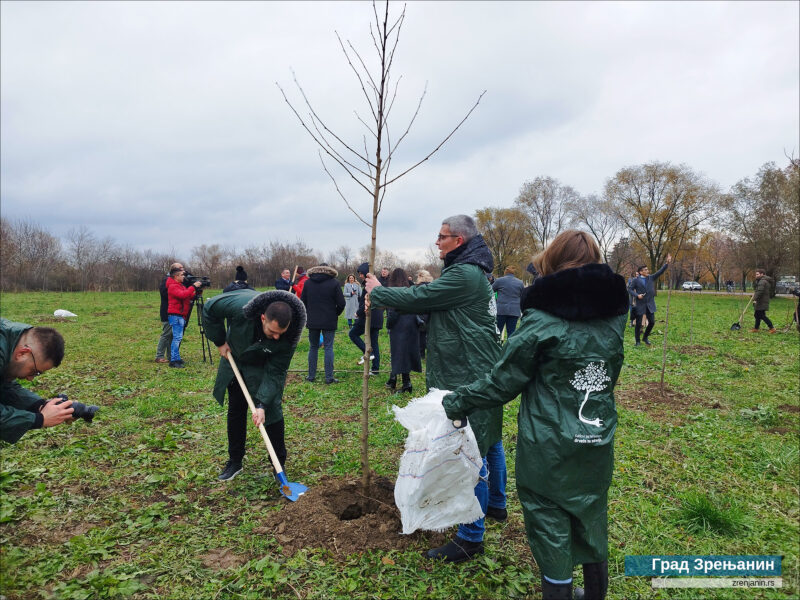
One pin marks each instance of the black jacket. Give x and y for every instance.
(323, 298)
(377, 313)
(162, 288)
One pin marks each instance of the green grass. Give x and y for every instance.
(129, 506)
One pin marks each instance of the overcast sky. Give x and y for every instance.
(160, 125)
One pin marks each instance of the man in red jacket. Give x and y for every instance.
(179, 301)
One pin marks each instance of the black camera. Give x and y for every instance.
(190, 279)
(80, 410)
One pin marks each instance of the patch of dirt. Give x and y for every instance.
(780, 430)
(221, 559)
(102, 313)
(334, 515)
(739, 361)
(789, 408)
(696, 350)
(647, 397)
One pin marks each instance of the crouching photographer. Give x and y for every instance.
(26, 352)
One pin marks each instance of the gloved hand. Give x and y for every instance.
(459, 420)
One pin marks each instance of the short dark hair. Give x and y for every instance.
(640, 269)
(280, 312)
(51, 342)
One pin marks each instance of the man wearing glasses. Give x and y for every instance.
(26, 352)
(463, 345)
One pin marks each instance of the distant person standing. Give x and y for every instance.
(284, 282)
(180, 303)
(384, 276)
(643, 290)
(762, 287)
(239, 281)
(360, 324)
(509, 291)
(324, 302)
(297, 286)
(423, 278)
(403, 339)
(352, 292)
(165, 340)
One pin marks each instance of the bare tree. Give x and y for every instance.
(548, 205)
(368, 162)
(597, 216)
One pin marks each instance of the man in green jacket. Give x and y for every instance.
(20, 408)
(262, 333)
(762, 287)
(463, 345)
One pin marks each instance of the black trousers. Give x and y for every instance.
(651, 321)
(761, 315)
(237, 427)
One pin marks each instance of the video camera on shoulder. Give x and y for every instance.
(189, 280)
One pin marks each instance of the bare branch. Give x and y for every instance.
(364, 123)
(442, 143)
(358, 76)
(374, 86)
(336, 185)
(414, 117)
(394, 96)
(321, 122)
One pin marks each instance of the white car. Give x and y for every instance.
(691, 285)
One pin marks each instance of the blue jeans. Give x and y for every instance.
(473, 532)
(313, 351)
(177, 324)
(355, 336)
(496, 462)
(509, 322)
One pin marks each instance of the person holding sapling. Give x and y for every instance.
(564, 359)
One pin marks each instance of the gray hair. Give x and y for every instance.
(462, 225)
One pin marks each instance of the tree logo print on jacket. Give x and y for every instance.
(592, 378)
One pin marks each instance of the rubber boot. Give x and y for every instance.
(595, 581)
(391, 383)
(556, 591)
(406, 383)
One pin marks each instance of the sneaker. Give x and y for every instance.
(231, 470)
(496, 514)
(330, 381)
(309, 378)
(406, 389)
(459, 550)
(361, 360)
(161, 359)
(638, 344)
(177, 364)
(647, 342)
(374, 373)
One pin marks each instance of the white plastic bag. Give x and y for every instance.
(439, 469)
(63, 313)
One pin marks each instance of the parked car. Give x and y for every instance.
(786, 285)
(691, 285)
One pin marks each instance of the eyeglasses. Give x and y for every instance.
(36, 368)
(441, 236)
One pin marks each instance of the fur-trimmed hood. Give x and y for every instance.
(474, 252)
(256, 307)
(592, 291)
(322, 272)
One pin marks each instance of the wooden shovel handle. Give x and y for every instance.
(294, 276)
(274, 457)
(746, 306)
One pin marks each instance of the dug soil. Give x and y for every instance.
(334, 514)
(647, 397)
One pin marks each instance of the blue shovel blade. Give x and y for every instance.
(292, 491)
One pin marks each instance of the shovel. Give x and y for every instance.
(290, 490)
(738, 325)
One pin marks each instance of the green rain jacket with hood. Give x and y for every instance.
(263, 362)
(564, 359)
(19, 407)
(463, 343)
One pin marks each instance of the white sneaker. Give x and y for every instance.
(361, 360)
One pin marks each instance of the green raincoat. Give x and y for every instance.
(463, 343)
(263, 362)
(564, 358)
(19, 407)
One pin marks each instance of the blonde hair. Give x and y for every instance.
(424, 276)
(570, 249)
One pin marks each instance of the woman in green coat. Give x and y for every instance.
(564, 359)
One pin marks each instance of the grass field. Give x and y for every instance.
(130, 507)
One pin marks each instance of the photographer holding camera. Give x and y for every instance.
(20, 408)
(179, 303)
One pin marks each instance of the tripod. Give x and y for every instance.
(204, 343)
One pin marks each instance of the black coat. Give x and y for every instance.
(323, 298)
(162, 288)
(646, 286)
(404, 342)
(377, 313)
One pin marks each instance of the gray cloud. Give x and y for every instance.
(159, 124)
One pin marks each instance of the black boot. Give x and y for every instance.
(456, 551)
(406, 383)
(595, 581)
(391, 383)
(556, 591)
